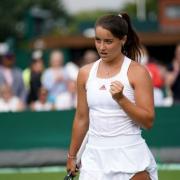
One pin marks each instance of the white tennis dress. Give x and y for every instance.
(115, 148)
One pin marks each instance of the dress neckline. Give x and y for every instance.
(111, 77)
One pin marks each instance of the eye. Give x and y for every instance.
(109, 41)
(97, 40)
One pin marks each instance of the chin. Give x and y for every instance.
(107, 59)
(104, 58)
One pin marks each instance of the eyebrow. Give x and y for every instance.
(97, 38)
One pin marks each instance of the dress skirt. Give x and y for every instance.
(116, 158)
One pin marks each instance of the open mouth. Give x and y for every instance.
(102, 54)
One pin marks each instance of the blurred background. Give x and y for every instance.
(43, 44)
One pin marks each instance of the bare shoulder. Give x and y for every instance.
(137, 67)
(84, 72)
(137, 72)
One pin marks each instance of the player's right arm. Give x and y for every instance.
(81, 120)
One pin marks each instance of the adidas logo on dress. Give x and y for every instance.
(103, 87)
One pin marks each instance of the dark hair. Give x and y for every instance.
(119, 26)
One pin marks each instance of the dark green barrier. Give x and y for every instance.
(53, 129)
(35, 129)
(166, 129)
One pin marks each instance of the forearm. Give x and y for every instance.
(80, 128)
(141, 116)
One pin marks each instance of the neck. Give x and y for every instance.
(111, 68)
(114, 62)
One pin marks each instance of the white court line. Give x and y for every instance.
(169, 167)
(59, 169)
(32, 170)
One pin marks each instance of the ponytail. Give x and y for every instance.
(132, 46)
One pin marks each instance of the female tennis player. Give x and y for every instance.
(115, 100)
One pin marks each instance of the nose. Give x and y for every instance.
(102, 46)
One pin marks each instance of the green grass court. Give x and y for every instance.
(59, 173)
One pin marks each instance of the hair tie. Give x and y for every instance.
(120, 15)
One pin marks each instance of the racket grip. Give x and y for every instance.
(69, 176)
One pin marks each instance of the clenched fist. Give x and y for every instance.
(116, 90)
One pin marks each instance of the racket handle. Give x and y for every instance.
(69, 176)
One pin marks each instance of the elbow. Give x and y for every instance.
(149, 125)
(149, 122)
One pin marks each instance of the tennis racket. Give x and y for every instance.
(81, 150)
(69, 176)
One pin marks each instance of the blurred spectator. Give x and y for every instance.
(157, 72)
(54, 78)
(173, 76)
(89, 57)
(42, 103)
(72, 69)
(144, 59)
(4, 48)
(68, 99)
(9, 102)
(36, 55)
(11, 75)
(32, 78)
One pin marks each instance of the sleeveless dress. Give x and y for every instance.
(115, 148)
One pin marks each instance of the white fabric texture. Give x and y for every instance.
(100, 176)
(115, 148)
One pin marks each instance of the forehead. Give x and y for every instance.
(103, 33)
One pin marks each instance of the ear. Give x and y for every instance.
(124, 39)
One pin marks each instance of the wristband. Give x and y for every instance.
(70, 156)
